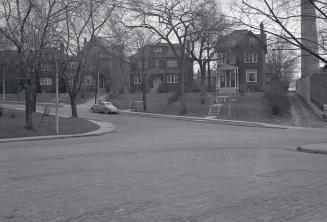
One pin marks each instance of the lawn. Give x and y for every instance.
(158, 103)
(12, 125)
(50, 97)
(250, 107)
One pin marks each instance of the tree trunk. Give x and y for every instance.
(202, 73)
(203, 76)
(144, 95)
(73, 104)
(209, 77)
(28, 108)
(34, 94)
(183, 110)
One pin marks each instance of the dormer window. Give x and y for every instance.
(157, 49)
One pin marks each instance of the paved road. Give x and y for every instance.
(165, 170)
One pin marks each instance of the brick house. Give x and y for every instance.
(9, 70)
(14, 82)
(106, 64)
(161, 67)
(241, 60)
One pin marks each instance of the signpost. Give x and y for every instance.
(57, 95)
(3, 86)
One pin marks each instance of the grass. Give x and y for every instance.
(158, 103)
(12, 125)
(50, 97)
(250, 107)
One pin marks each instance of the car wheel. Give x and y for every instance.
(92, 110)
(107, 112)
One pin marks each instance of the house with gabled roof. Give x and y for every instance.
(240, 59)
(161, 67)
(107, 67)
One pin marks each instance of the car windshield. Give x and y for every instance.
(107, 103)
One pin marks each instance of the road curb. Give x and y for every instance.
(105, 127)
(311, 150)
(205, 120)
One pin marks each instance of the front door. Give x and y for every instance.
(156, 83)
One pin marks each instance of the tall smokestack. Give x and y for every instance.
(309, 38)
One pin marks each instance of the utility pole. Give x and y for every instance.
(57, 96)
(230, 96)
(97, 83)
(3, 86)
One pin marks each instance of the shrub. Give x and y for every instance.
(173, 98)
(13, 115)
(162, 88)
(203, 97)
(278, 99)
(280, 105)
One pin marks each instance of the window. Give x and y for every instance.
(88, 81)
(137, 79)
(247, 57)
(221, 58)
(145, 64)
(157, 49)
(156, 63)
(254, 57)
(172, 63)
(232, 58)
(73, 65)
(45, 67)
(252, 41)
(45, 81)
(172, 78)
(251, 75)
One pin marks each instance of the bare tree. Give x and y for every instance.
(28, 24)
(208, 25)
(171, 21)
(84, 20)
(143, 38)
(282, 59)
(280, 17)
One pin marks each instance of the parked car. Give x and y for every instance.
(104, 107)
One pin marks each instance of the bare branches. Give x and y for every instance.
(280, 18)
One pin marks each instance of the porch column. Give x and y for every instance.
(218, 80)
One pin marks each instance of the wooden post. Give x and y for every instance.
(3, 86)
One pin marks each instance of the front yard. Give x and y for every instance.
(12, 125)
(250, 107)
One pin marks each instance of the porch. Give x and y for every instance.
(227, 79)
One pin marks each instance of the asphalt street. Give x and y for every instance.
(154, 169)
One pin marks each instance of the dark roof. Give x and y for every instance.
(167, 51)
(233, 39)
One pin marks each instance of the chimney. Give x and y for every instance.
(309, 38)
(262, 33)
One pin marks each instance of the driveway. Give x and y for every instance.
(302, 114)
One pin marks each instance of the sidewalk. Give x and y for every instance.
(320, 148)
(104, 127)
(217, 121)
